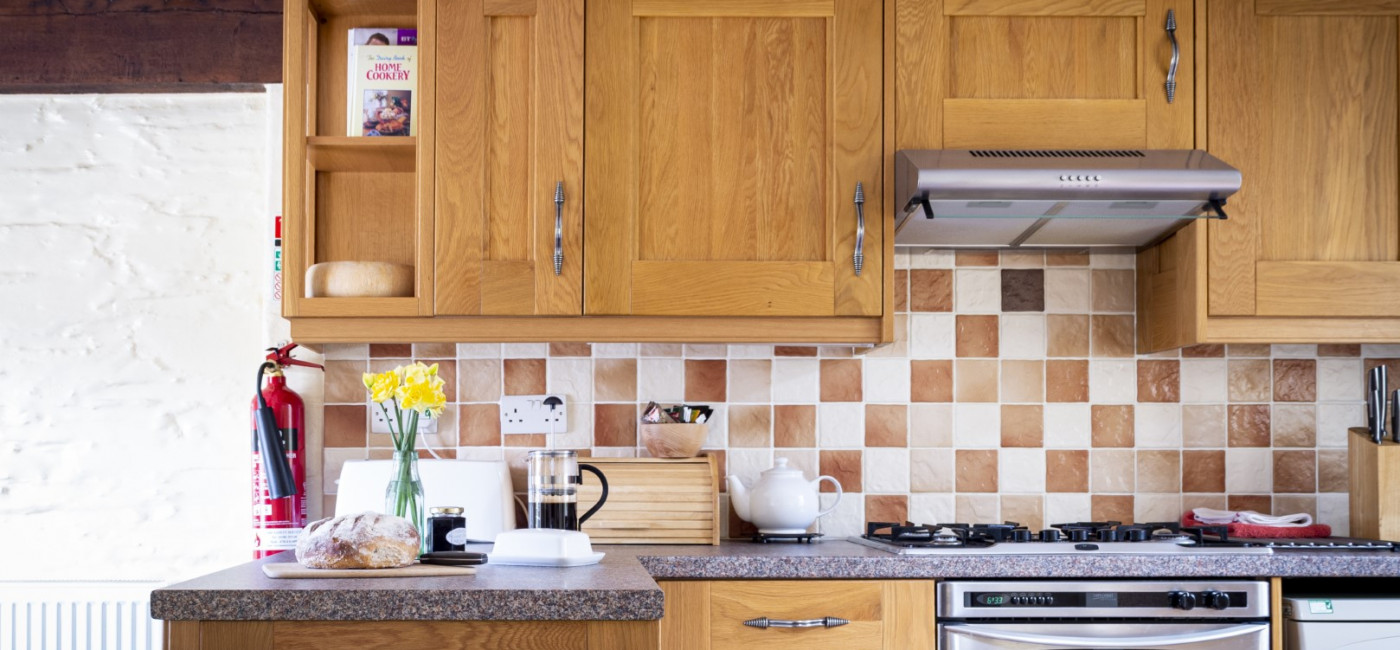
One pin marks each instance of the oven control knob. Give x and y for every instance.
(1050, 535)
(1216, 599)
(1183, 600)
(1078, 534)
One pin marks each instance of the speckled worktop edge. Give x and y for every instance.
(624, 586)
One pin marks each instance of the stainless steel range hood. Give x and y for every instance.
(958, 198)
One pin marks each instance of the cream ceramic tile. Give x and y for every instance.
(572, 377)
(804, 460)
(478, 350)
(1335, 511)
(1333, 420)
(1157, 507)
(931, 336)
(346, 351)
(749, 463)
(1203, 380)
(796, 380)
(931, 425)
(332, 459)
(1112, 471)
(717, 436)
(977, 291)
(751, 381)
(711, 351)
(660, 380)
(840, 425)
(1067, 291)
(1064, 508)
(1295, 351)
(886, 471)
(931, 508)
(524, 350)
(1382, 350)
(846, 519)
(616, 452)
(1112, 260)
(931, 258)
(899, 347)
(901, 259)
(1112, 381)
(1067, 426)
(1203, 425)
(580, 433)
(1340, 380)
(931, 470)
(1022, 471)
(1022, 336)
(977, 507)
(976, 426)
(886, 381)
(615, 350)
(1022, 259)
(1249, 470)
(1158, 426)
(750, 351)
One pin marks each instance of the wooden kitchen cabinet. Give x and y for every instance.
(1302, 98)
(883, 614)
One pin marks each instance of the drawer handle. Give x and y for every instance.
(858, 259)
(559, 227)
(1176, 56)
(825, 621)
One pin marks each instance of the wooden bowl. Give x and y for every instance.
(674, 440)
(359, 280)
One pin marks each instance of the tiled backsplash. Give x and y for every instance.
(1012, 392)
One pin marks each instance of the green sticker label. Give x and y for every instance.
(1319, 607)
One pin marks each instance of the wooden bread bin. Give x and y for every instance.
(653, 501)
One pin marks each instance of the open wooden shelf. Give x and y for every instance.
(328, 8)
(361, 154)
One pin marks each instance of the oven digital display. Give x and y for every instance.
(1101, 599)
(994, 600)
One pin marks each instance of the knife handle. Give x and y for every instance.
(1395, 416)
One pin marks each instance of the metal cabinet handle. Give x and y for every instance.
(559, 227)
(858, 259)
(1176, 56)
(825, 621)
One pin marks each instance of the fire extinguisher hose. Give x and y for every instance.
(272, 453)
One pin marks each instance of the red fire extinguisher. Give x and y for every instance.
(279, 461)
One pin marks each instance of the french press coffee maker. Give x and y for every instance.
(554, 481)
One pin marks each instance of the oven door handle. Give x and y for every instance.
(1057, 641)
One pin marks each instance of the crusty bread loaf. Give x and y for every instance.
(367, 540)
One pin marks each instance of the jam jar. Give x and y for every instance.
(448, 529)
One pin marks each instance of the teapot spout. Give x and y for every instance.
(739, 497)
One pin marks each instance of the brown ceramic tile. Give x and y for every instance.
(750, 426)
(1022, 381)
(1113, 289)
(1332, 470)
(1249, 380)
(1249, 425)
(1204, 351)
(1067, 335)
(1022, 425)
(750, 380)
(836, 352)
(931, 290)
(1295, 471)
(1159, 470)
(1025, 509)
(976, 470)
(479, 425)
(479, 380)
(1066, 470)
(977, 336)
(738, 528)
(886, 507)
(345, 426)
(447, 372)
(390, 350)
(1023, 258)
(1203, 425)
(385, 365)
(1112, 336)
(1295, 380)
(1249, 350)
(931, 381)
(1112, 426)
(705, 380)
(1066, 381)
(570, 350)
(794, 425)
(615, 425)
(435, 350)
(841, 381)
(720, 458)
(524, 376)
(844, 466)
(1159, 381)
(1203, 470)
(1291, 503)
(1392, 370)
(615, 380)
(977, 258)
(901, 290)
(1294, 425)
(794, 351)
(1023, 290)
(975, 380)
(1338, 350)
(1106, 507)
(1260, 503)
(529, 440)
(1066, 259)
(344, 382)
(886, 425)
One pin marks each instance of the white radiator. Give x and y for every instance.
(78, 616)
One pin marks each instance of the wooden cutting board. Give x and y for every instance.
(294, 570)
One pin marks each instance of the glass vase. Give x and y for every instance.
(404, 495)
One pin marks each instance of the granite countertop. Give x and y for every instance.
(623, 586)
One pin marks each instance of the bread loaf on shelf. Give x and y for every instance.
(367, 540)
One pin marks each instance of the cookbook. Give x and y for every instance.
(383, 69)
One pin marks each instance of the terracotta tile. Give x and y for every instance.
(1066, 259)
(1159, 470)
(1392, 376)
(1022, 290)
(447, 372)
(344, 382)
(385, 365)
(1112, 426)
(661, 350)
(705, 380)
(794, 425)
(1204, 351)
(530, 440)
(1333, 472)
(901, 290)
(390, 350)
(1249, 350)
(1024, 258)
(479, 425)
(721, 456)
(1022, 425)
(1025, 509)
(1250, 380)
(1066, 470)
(886, 507)
(1203, 470)
(1338, 350)
(1114, 289)
(615, 380)
(1066, 381)
(1294, 425)
(977, 258)
(435, 350)
(1112, 470)
(1203, 425)
(1067, 335)
(841, 381)
(750, 426)
(1106, 507)
(1249, 425)
(1022, 381)
(794, 351)
(1295, 471)
(844, 466)
(1112, 336)
(1260, 503)
(1159, 381)
(1294, 503)
(1295, 380)
(975, 380)
(750, 380)
(977, 336)
(886, 425)
(615, 425)
(931, 290)
(738, 528)
(835, 352)
(524, 376)
(931, 381)
(479, 380)
(570, 350)
(345, 426)
(976, 470)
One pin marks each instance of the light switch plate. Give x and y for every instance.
(378, 424)
(530, 414)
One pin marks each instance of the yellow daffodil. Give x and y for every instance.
(424, 397)
(381, 386)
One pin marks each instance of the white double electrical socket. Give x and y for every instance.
(378, 424)
(533, 414)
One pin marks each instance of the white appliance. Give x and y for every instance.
(1351, 622)
(482, 488)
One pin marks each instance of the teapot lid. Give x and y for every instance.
(780, 468)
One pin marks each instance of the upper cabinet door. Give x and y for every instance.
(725, 142)
(1030, 74)
(1303, 100)
(509, 84)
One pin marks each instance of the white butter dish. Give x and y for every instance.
(543, 547)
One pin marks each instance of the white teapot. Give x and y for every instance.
(783, 502)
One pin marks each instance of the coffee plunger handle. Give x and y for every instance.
(601, 499)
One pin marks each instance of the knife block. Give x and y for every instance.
(1374, 483)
